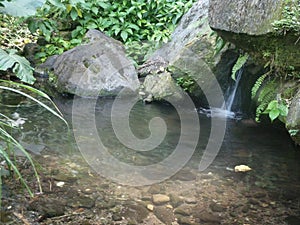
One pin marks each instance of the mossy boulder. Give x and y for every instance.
(293, 118)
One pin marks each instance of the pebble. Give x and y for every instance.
(184, 210)
(150, 207)
(208, 217)
(216, 207)
(160, 199)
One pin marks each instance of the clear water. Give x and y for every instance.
(267, 149)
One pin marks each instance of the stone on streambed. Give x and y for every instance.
(47, 207)
(135, 213)
(164, 214)
(159, 199)
(97, 68)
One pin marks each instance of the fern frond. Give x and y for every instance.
(258, 84)
(239, 64)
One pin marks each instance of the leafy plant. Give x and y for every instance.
(290, 21)
(238, 65)
(276, 109)
(19, 65)
(127, 21)
(186, 82)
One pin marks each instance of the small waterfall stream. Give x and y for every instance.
(231, 92)
(226, 109)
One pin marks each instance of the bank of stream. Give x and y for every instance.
(73, 193)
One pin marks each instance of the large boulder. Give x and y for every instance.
(250, 26)
(252, 17)
(97, 68)
(191, 55)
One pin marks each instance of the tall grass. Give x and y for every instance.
(10, 144)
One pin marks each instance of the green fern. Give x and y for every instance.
(258, 84)
(19, 65)
(266, 95)
(238, 65)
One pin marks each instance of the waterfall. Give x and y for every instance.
(226, 110)
(231, 91)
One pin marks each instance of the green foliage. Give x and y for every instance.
(127, 21)
(238, 65)
(290, 21)
(277, 109)
(266, 95)
(19, 65)
(220, 43)
(14, 32)
(293, 132)
(258, 84)
(186, 83)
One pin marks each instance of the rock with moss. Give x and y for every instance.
(160, 86)
(95, 69)
(195, 55)
(262, 28)
(293, 118)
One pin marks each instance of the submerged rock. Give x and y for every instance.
(97, 68)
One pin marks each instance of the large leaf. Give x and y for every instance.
(21, 7)
(20, 65)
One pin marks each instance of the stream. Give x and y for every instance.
(268, 194)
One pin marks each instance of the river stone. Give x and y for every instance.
(135, 213)
(97, 68)
(208, 217)
(184, 210)
(160, 199)
(164, 214)
(293, 118)
(47, 207)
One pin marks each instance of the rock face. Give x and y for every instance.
(161, 86)
(249, 25)
(191, 55)
(252, 17)
(98, 68)
(293, 118)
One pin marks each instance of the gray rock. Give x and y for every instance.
(160, 199)
(208, 217)
(293, 117)
(97, 68)
(191, 54)
(253, 17)
(216, 207)
(47, 207)
(161, 86)
(135, 213)
(164, 214)
(184, 210)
